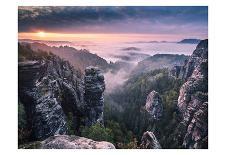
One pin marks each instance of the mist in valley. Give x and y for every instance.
(122, 57)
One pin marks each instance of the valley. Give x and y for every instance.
(112, 77)
(59, 93)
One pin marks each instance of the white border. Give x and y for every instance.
(8, 77)
(112, 2)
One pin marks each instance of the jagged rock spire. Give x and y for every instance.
(94, 100)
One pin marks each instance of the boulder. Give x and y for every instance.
(68, 142)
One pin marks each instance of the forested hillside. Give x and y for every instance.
(131, 99)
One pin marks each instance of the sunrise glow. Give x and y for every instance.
(92, 24)
(41, 34)
(97, 37)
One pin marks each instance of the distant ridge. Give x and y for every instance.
(189, 41)
(159, 61)
(80, 59)
(48, 42)
(153, 41)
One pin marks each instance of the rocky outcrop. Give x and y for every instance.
(193, 99)
(149, 141)
(69, 142)
(49, 88)
(200, 54)
(53, 92)
(154, 105)
(94, 100)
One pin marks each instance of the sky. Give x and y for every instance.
(113, 23)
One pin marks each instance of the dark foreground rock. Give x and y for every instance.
(149, 141)
(68, 142)
(154, 105)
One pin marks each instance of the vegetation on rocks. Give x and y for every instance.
(132, 97)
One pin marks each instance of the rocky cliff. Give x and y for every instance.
(48, 89)
(190, 120)
(154, 105)
(193, 100)
(199, 55)
(51, 90)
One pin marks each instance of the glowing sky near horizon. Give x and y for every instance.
(112, 23)
(97, 37)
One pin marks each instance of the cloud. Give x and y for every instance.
(112, 19)
(113, 80)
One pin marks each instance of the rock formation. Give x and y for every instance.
(200, 54)
(149, 141)
(48, 88)
(193, 99)
(94, 100)
(52, 91)
(154, 105)
(197, 131)
(69, 142)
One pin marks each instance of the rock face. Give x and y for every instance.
(154, 105)
(52, 91)
(193, 99)
(94, 100)
(48, 88)
(197, 131)
(70, 142)
(149, 141)
(199, 55)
